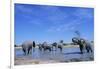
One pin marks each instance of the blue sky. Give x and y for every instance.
(52, 23)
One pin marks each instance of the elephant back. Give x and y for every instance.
(54, 44)
(27, 44)
(87, 43)
(60, 44)
(45, 44)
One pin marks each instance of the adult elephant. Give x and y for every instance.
(79, 42)
(40, 47)
(27, 47)
(88, 46)
(83, 44)
(54, 45)
(58, 45)
(44, 47)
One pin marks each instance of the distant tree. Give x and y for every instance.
(71, 44)
(65, 44)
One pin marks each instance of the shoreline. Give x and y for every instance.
(68, 46)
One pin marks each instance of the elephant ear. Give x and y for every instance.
(75, 40)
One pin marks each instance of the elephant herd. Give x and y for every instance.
(29, 46)
(50, 47)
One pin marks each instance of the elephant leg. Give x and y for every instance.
(44, 49)
(52, 48)
(90, 48)
(87, 49)
(40, 48)
(60, 48)
(49, 49)
(55, 48)
(24, 51)
(81, 49)
(29, 50)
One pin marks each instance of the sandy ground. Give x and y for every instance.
(25, 61)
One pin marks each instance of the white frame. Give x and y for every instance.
(74, 3)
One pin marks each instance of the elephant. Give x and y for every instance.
(44, 47)
(88, 46)
(27, 47)
(60, 46)
(57, 45)
(82, 44)
(79, 42)
(50, 47)
(54, 45)
(40, 47)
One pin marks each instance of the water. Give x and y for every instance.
(64, 56)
